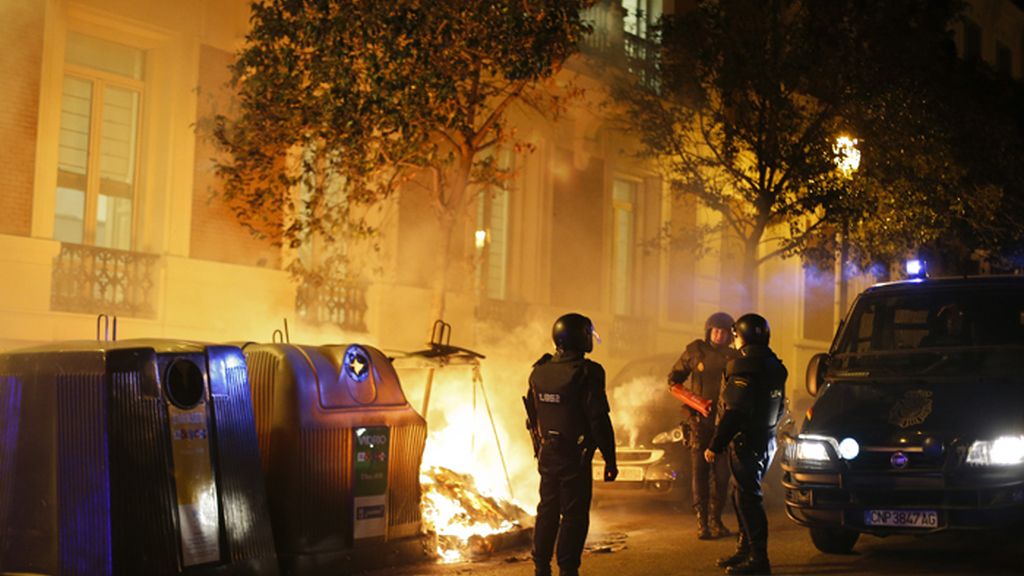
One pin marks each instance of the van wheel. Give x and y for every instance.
(834, 540)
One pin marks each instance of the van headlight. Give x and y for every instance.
(808, 450)
(813, 451)
(1003, 451)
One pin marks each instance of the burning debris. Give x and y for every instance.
(467, 500)
(465, 522)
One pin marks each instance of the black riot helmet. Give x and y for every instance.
(719, 320)
(573, 332)
(753, 328)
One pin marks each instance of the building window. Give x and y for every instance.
(97, 169)
(819, 303)
(624, 194)
(639, 16)
(492, 234)
(972, 41)
(1004, 59)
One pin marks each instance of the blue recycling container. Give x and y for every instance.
(129, 458)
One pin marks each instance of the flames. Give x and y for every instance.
(468, 502)
(462, 518)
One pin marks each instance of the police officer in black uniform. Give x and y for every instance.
(703, 363)
(569, 420)
(754, 399)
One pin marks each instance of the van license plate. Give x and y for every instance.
(902, 518)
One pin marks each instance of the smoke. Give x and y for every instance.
(479, 426)
(637, 407)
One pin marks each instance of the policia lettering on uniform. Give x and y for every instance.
(567, 415)
(754, 402)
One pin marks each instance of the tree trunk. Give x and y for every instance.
(451, 217)
(749, 289)
(446, 225)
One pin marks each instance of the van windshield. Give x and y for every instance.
(935, 321)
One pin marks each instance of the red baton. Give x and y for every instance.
(695, 401)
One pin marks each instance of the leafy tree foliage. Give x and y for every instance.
(754, 93)
(941, 142)
(750, 100)
(342, 102)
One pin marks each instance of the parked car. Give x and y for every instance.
(918, 422)
(651, 455)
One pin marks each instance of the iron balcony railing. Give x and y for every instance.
(504, 313)
(91, 279)
(610, 41)
(330, 301)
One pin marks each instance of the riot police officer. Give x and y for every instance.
(703, 363)
(568, 416)
(754, 399)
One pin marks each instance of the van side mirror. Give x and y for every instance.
(816, 373)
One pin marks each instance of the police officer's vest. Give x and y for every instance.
(558, 388)
(708, 366)
(765, 376)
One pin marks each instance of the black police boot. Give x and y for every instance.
(539, 570)
(703, 533)
(757, 563)
(740, 556)
(718, 530)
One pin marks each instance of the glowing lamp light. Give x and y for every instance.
(847, 155)
(480, 239)
(849, 448)
(915, 268)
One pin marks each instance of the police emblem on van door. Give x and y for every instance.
(912, 409)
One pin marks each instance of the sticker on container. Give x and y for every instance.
(195, 484)
(370, 481)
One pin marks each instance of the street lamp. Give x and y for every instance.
(847, 155)
(847, 160)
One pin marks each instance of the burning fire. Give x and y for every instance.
(467, 501)
(461, 517)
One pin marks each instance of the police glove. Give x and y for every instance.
(611, 472)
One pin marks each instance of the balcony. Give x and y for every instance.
(612, 41)
(92, 280)
(642, 60)
(330, 301)
(505, 313)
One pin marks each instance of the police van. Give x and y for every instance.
(918, 420)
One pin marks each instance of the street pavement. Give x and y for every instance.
(635, 534)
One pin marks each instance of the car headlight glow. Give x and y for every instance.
(673, 435)
(812, 449)
(1003, 451)
(849, 448)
